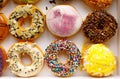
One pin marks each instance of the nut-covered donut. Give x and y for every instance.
(20, 49)
(57, 67)
(98, 4)
(99, 26)
(3, 58)
(26, 1)
(17, 17)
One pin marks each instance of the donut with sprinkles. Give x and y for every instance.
(17, 51)
(51, 57)
(17, 18)
(99, 26)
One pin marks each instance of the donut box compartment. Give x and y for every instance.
(46, 38)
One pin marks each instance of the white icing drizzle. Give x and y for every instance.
(37, 23)
(15, 64)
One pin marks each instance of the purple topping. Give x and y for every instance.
(1, 61)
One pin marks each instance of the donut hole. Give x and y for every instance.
(100, 27)
(25, 59)
(101, 24)
(25, 22)
(63, 56)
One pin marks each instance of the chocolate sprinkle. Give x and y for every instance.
(52, 2)
(99, 26)
(46, 8)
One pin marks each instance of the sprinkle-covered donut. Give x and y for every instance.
(99, 26)
(3, 3)
(26, 1)
(98, 60)
(98, 4)
(63, 20)
(58, 68)
(17, 66)
(16, 19)
(3, 58)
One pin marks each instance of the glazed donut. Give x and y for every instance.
(63, 21)
(3, 3)
(16, 19)
(3, 27)
(3, 58)
(51, 57)
(26, 1)
(99, 26)
(99, 61)
(98, 4)
(20, 49)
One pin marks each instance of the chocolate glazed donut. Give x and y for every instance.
(99, 26)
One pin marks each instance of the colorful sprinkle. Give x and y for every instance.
(71, 65)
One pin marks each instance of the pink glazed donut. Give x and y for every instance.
(63, 21)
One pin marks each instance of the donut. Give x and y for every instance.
(3, 27)
(99, 61)
(3, 58)
(17, 51)
(16, 20)
(98, 4)
(3, 3)
(26, 1)
(63, 21)
(99, 26)
(58, 68)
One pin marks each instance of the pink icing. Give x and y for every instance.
(65, 23)
(57, 13)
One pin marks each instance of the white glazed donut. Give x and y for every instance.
(63, 20)
(17, 67)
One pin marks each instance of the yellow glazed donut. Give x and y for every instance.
(17, 17)
(99, 61)
(20, 49)
(26, 1)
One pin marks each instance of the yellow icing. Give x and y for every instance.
(99, 60)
